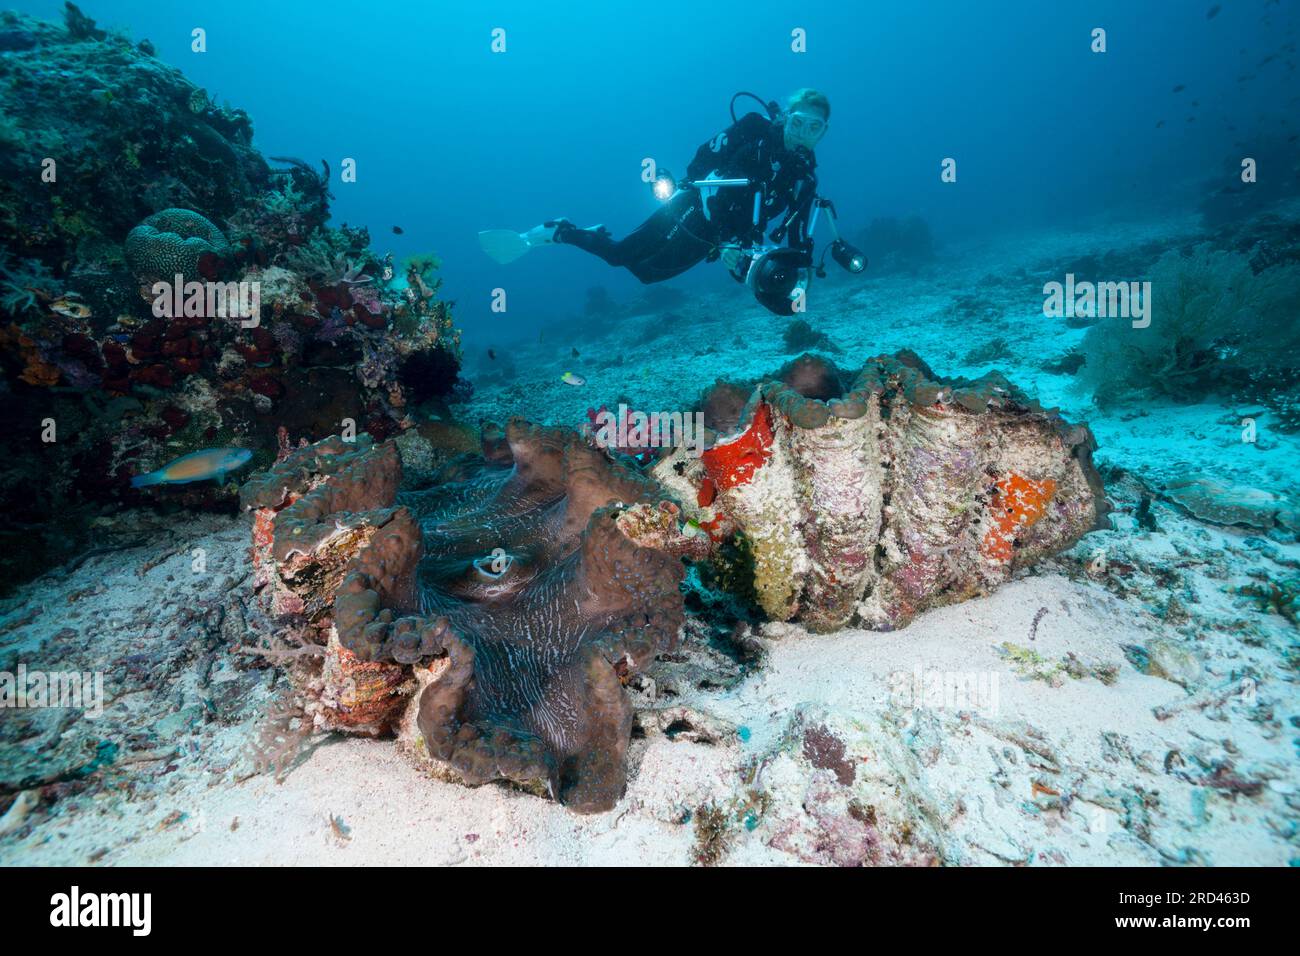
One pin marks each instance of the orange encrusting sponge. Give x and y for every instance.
(1018, 502)
(735, 462)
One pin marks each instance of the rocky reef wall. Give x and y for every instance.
(119, 173)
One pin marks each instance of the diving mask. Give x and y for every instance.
(804, 129)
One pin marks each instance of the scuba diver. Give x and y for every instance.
(758, 173)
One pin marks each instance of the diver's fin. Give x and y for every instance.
(503, 245)
(506, 245)
(544, 235)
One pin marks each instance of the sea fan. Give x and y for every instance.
(1213, 325)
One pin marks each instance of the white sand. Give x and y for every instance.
(980, 783)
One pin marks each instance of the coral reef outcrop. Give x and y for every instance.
(897, 245)
(127, 134)
(875, 495)
(152, 179)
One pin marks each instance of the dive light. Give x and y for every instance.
(665, 186)
(849, 257)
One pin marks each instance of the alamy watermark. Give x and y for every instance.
(212, 300)
(75, 908)
(945, 690)
(1101, 300)
(626, 428)
(36, 688)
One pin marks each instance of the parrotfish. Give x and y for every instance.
(200, 465)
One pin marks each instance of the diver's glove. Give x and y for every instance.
(731, 256)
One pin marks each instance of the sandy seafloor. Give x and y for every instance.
(1065, 767)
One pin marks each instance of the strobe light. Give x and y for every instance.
(848, 256)
(664, 186)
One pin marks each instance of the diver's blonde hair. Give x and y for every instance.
(809, 97)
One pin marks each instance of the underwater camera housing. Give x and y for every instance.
(772, 276)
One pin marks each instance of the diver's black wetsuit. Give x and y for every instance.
(681, 234)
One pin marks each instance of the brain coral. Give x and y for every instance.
(533, 588)
(877, 494)
(172, 241)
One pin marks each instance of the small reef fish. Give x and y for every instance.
(575, 353)
(568, 378)
(200, 465)
(492, 354)
(73, 310)
(397, 230)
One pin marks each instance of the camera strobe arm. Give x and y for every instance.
(849, 256)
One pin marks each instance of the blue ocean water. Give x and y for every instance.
(450, 137)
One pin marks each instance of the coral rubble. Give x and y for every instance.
(846, 792)
(877, 495)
